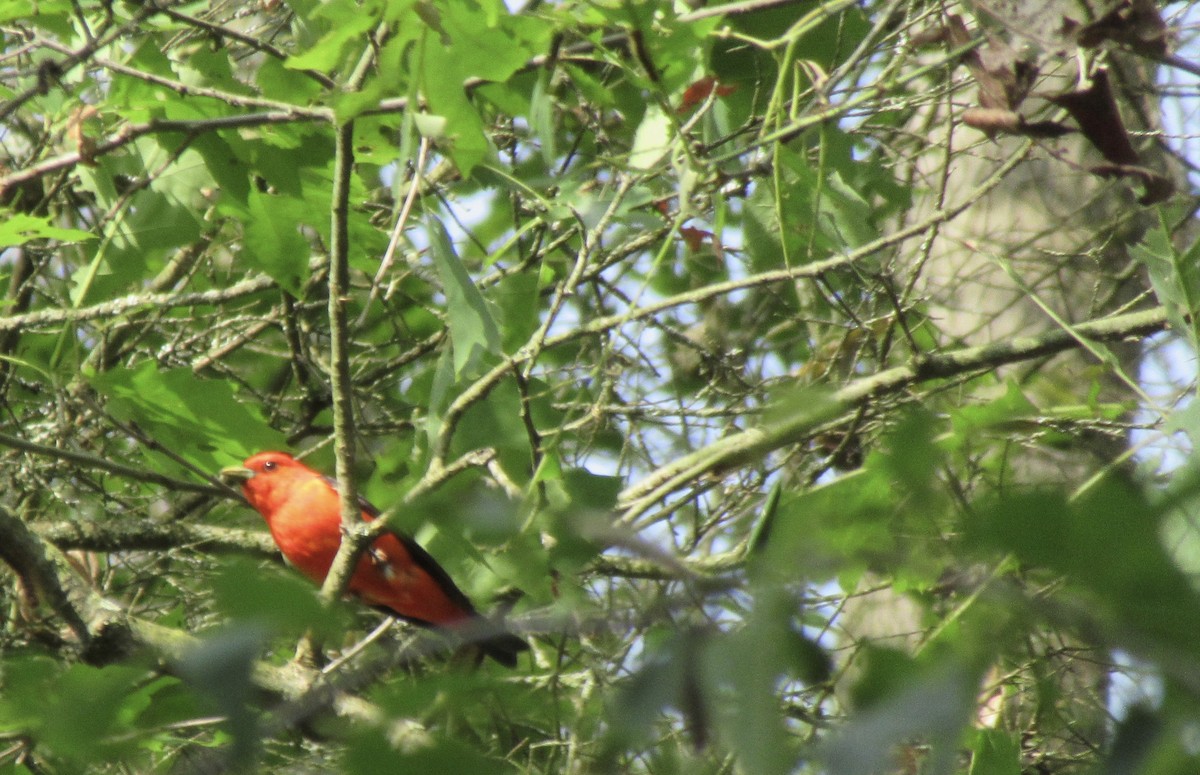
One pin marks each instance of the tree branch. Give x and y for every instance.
(191, 90)
(45, 574)
(53, 70)
(143, 534)
(111, 466)
(341, 383)
(482, 386)
(752, 444)
(108, 632)
(214, 297)
(220, 31)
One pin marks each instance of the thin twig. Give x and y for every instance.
(101, 463)
(389, 255)
(734, 450)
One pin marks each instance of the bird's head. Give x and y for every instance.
(266, 476)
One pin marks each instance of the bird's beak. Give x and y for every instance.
(236, 474)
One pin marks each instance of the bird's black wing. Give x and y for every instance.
(423, 559)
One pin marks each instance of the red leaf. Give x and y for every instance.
(693, 237)
(699, 91)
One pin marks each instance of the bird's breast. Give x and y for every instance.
(307, 527)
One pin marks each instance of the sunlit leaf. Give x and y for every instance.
(1175, 275)
(199, 419)
(472, 328)
(19, 228)
(653, 139)
(349, 24)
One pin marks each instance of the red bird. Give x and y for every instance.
(303, 511)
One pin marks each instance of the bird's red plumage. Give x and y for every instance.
(303, 511)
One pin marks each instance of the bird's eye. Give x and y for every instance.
(269, 465)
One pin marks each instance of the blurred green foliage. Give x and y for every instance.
(603, 224)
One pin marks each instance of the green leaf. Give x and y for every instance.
(77, 713)
(442, 79)
(845, 215)
(198, 419)
(591, 491)
(658, 686)
(770, 243)
(516, 299)
(834, 528)
(13, 10)
(1107, 544)
(760, 534)
(571, 544)
(489, 42)
(26, 679)
(278, 82)
(747, 711)
(884, 672)
(430, 125)
(1013, 405)
(653, 140)
(496, 423)
(223, 160)
(274, 243)
(933, 708)
(440, 393)
(283, 601)
(1186, 420)
(910, 454)
(370, 754)
(473, 332)
(167, 216)
(54, 16)
(1175, 276)
(75, 729)
(819, 195)
(19, 228)
(350, 23)
(542, 118)
(995, 752)
(465, 39)
(219, 666)
(350, 105)
(1145, 745)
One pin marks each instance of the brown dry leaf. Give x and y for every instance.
(956, 32)
(1158, 187)
(994, 121)
(1095, 110)
(1043, 130)
(1134, 23)
(938, 34)
(83, 134)
(694, 238)
(1004, 78)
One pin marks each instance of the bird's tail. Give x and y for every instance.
(486, 638)
(504, 648)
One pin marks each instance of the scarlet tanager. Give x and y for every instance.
(303, 511)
